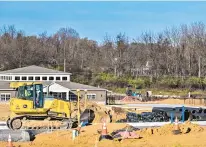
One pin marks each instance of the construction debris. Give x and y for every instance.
(126, 132)
(128, 128)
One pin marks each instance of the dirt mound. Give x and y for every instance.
(128, 99)
(187, 127)
(4, 109)
(100, 112)
(100, 117)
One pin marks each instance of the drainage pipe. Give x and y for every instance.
(18, 135)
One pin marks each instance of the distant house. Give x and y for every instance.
(144, 70)
(57, 82)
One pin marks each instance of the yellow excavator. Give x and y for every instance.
(31, 104)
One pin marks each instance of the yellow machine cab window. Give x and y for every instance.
(32, 92)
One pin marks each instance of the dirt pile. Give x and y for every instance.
(188, 127)
(129, 99)
(4, 111)
(100, 112)
(89, 138)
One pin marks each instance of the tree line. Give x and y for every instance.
(177, 52)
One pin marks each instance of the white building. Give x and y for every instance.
(58, 82)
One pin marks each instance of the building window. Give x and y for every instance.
(31, 78)
(57, 94)
(91, 96)
(37, 78)
(23, 78)
(51, 78)
(64, 78)
(8, 96)
(72, 96)
(58, 78)
(44, 78)
(5, 96)
(64, 96)
(17, 78)
(61, 95)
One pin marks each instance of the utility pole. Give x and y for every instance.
(78, 105)
(85, 99)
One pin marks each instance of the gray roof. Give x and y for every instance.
(33, 69)
(73, 85)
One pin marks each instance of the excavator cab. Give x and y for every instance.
(29, 97)
(33, 93)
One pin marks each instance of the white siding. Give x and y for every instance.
(5, 77)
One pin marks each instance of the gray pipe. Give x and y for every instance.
(16, 136)
(204, 111)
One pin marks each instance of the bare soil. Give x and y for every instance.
(161, 137)
(4, 111)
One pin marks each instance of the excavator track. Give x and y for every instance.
(45, 122)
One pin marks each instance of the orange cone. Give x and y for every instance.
(9, 142)
(177, 124)
(177, 128)
(104, 129)
(104, 133)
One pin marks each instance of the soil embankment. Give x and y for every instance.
(88, 137)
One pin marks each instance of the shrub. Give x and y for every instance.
(193, 82)
(169, 82)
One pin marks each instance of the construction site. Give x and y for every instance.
(35, 120)
(102, 74)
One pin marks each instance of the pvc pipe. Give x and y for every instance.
(172, 116)
(183, 113)
(74, 134)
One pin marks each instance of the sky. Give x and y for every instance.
(96, 19)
